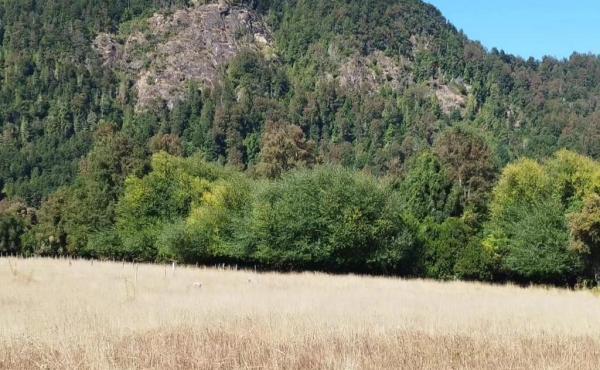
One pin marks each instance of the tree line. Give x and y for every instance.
(281, 165)
(453, 214)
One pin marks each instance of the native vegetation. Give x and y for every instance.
(341, 136)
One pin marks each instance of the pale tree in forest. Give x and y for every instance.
(470, 163)
(284, 147)
(169, 143)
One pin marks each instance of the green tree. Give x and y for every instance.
(161, 197)
(528, 228)
(585, 232)
(331, 219)
(533, 242)
(180, 210)
(447, 246)
(15, 220)
(71, 215)
(427, 190)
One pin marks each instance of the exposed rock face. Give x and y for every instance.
(374, 71)
(370, 73)
(450, 97)
(189, 45)
(168, 51)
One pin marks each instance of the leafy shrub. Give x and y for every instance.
(331, 219)
(529, 228)
(105, 245)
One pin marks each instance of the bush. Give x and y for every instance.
(12, 228)
(528, 228)
(445, 244)
(476, 263)
(331, 219)
(177, 242)
(105, 245)
(164, 196)
(533, 241)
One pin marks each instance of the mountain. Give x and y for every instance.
(369, 82)
(163, 54)
(133, 127)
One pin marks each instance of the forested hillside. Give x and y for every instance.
(364, 136)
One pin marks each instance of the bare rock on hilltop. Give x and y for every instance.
(373, 71)
(190, 45)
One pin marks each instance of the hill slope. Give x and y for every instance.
(117, 118)
(370, 83)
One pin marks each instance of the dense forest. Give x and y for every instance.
(368, 137)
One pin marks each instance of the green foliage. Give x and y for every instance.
(96, 195)
(56, 91)
(14, 223)
(475, 263)
(427, 190)
(181, 210)
(331, 219)
(532, 240)
(208, 231)
(528, 228)
(284, 148)
(163, 196)
(470, 163)
(175, 243)
(215, 222)
(11, 231)
(104, 244)
(55, 233)
(54, 87)
(446, 247)
(72, 214)
(585, 231)
(574, 176)
(523, 182)
(304, 24)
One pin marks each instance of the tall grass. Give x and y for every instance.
(59, 314)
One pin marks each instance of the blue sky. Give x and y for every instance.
(528, 27)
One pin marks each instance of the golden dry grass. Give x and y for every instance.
(56, 314)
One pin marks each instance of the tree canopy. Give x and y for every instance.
(364, 136)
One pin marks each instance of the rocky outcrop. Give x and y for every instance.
(451, 96)
(167, 51)
(373, 71)
(190, 45)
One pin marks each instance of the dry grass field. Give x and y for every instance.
(56, 314)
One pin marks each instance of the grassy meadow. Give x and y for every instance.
(61, 314)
